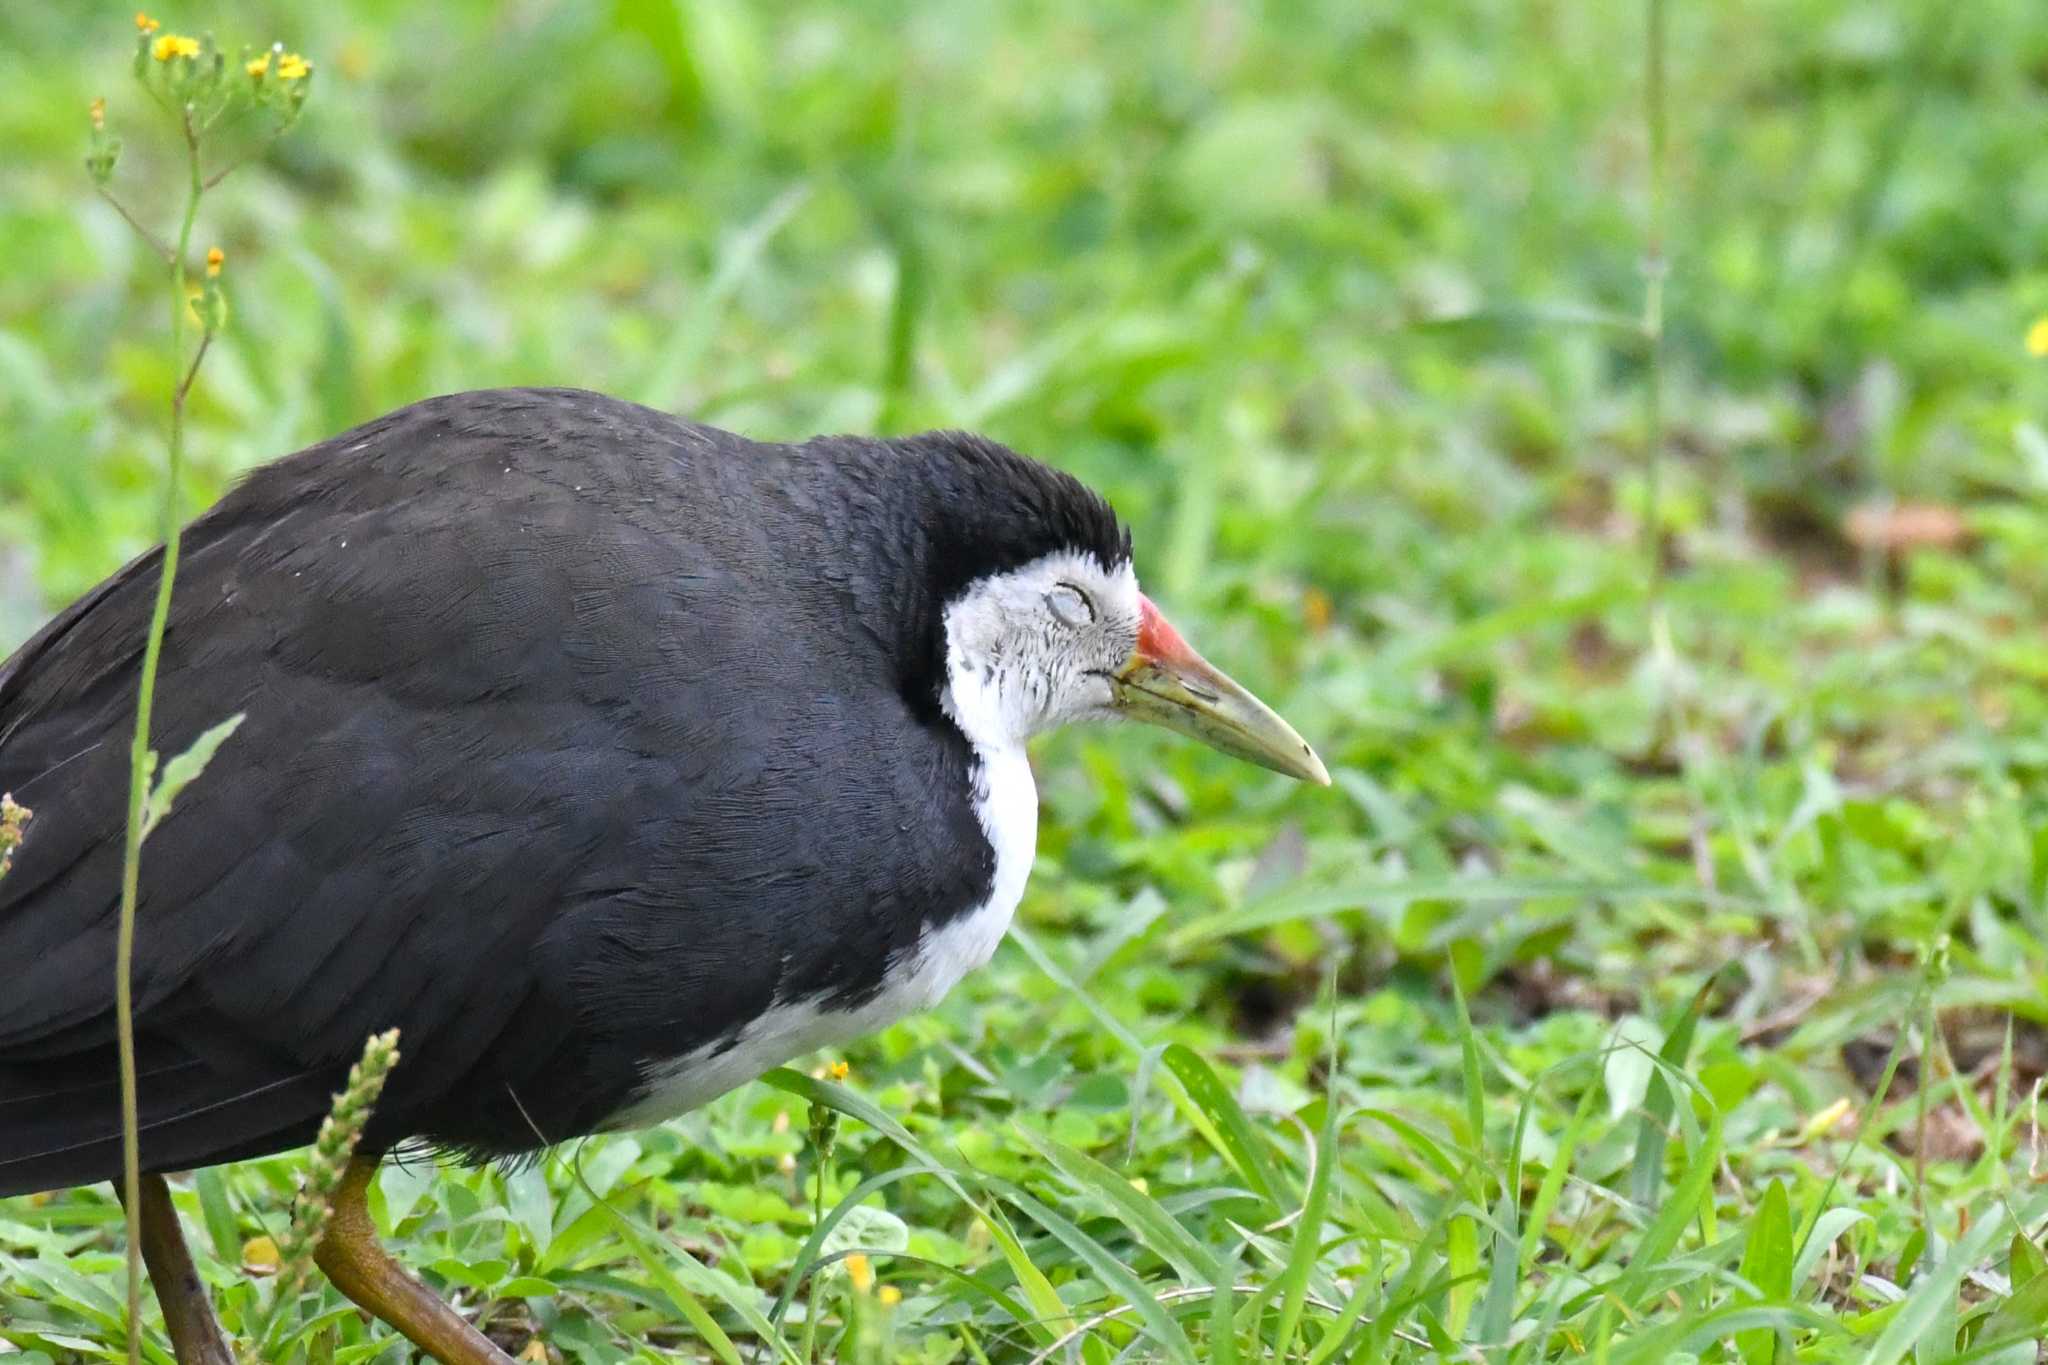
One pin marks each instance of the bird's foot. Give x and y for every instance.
(352, 1258)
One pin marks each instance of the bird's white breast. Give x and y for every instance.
(1006, 804)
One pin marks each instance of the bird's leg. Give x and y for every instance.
(188, 1310)
(351, 1257)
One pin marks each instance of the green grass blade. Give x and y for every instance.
(1341, 1327)
(1829, 1226)
(1497, 1309)
(1535, 1226)
(806, 1258)
(1237, 1141)
(1692, 1334)
(218, 1214)
(1767, 1264)
(1646, 1171)
(1196, 1112)
(1308, 1236)
(675, 363)
(1159, 1324)
(1462, 1250)
(2024, 1260)
(1691, 1197)
(1139, 1212)
(1047, 1307)
(1222, 1315)
(1457, 1172)
(2023, 1316)
(1468, 1055)
(1930, 1300)
(1293, 905)
(688, 1304)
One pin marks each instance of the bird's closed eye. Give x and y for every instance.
(1070, 605)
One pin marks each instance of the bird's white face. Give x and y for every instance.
(1040, 646)
(1068, 638)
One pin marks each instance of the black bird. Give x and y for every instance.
(611, 758)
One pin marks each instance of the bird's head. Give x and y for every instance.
(1044, 625)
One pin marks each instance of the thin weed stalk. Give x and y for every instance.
(333, 1149)
(189, 78)
(141, 761)
(1655, 268)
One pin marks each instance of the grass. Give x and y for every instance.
(1636, 993)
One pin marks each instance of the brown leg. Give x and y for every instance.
(188, 1311)
(361, 1269)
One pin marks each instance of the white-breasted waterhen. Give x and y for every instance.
(610, 758)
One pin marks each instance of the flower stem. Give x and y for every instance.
(139, 754)
(129, 218)
(1655, 267)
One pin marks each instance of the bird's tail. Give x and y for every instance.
(60, 1117)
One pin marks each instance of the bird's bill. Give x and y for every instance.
(1167, 683)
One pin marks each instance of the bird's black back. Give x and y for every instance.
(575, 736)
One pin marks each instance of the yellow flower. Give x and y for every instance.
(291, 66)
(890, 1296)
(2037, 337)
(99, 112)
(259, 1255)
(1827, 1121)
(145, 23)
(860, 1272)
(256, 66)
(174, 45)
(840, 1071)
(215, 258)
(1316, 610)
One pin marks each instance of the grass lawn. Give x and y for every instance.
(1665, 977)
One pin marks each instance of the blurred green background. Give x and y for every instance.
(1339, 301)
(1206, 255)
